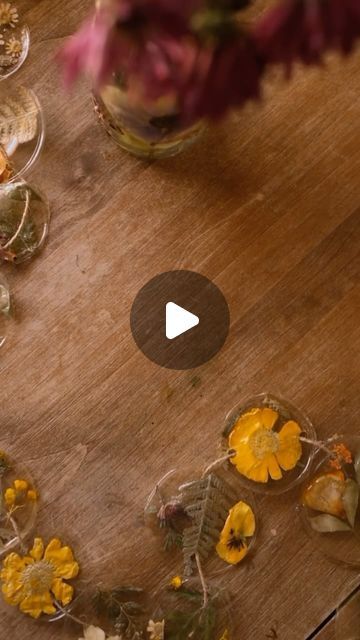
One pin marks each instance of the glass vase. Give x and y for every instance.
(149, 131)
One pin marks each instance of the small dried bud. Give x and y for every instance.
(4, 463)
(169, 511)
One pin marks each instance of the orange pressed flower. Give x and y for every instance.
(341, 456)
(325, 494)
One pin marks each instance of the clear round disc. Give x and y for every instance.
(286, 412)
(14, 49)
(329, 500)
(24, 221)
(22, 130)
(187, 512)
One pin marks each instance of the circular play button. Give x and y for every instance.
(180, 319)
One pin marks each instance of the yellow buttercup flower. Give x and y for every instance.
(259, 450)
(176, 582)
(35, 582)
(20, 493)
(240, 525)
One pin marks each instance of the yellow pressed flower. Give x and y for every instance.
(21, 485)
(240, 525)
(259, 450)
(225, 635)
(176, 582)
(19, 494)
(35, 582)
(8, 15)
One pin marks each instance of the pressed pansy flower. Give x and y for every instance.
(156, 630)
(259, 451)
(13, 47)
(35, 583)
(9, 16)
(240, 525)
(95, 633)
(18, 494)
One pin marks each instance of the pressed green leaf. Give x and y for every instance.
(328, 524)
(351, 500)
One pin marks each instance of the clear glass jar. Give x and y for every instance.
(148, 131)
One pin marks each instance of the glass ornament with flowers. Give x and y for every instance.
(162, 68)
(329, 501)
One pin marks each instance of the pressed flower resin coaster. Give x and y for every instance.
(190, 613)
(24, 221)
(207, 519)
(14, 39)
(329, 501)
(269, 443)
(22, 130)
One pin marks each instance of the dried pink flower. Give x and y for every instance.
(223, 78)
(128, 36)
(303, 30)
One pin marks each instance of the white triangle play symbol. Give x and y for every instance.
(178, 320)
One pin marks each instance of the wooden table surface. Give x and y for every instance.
(267, 206)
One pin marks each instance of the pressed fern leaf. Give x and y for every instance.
(207, 503)
(18, 117)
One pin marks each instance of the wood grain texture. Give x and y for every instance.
(267, 206)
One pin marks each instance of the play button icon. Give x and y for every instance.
(180, 319)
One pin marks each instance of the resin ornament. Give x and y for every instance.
(22, 130)
(269, 443)
(206, 518)
(329, 501)
(184, 611)
(14, 39)
(24, 221)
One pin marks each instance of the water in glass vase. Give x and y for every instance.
(150, 131)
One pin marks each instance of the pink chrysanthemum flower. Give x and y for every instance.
(303, 30)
